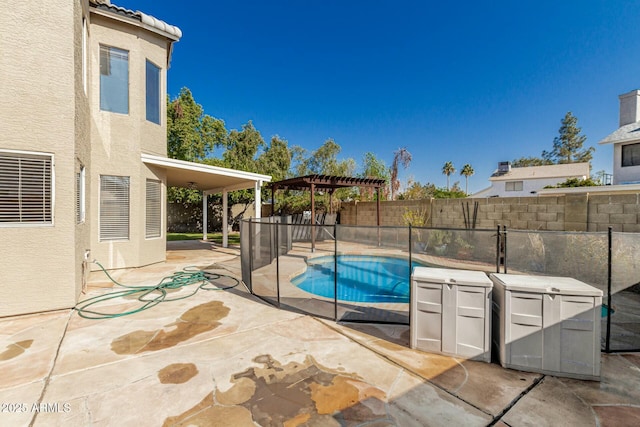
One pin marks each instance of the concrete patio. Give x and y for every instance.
(225, 358)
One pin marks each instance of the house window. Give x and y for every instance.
(114, 207)
(154, 209)
(153, 93)
(513, 186)
(114, 80)
(631, 155)
(26, 188)
(80, 196)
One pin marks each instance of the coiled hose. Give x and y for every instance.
(150, 296)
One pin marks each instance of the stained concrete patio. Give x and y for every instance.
(225, 358)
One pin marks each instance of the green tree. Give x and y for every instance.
(400, 157)
(417, 191)
(567, 147)
(323, 161)
(454, 193)
(191, 134)
(276, 159)
(373, 168)
(524, 162)
(575, 182)
(242, 148)
(448, 170)
(467, 171)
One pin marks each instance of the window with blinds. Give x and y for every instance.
(513, 185)
(26, 188)
(154, 209)
(114, 207)
(80, 196)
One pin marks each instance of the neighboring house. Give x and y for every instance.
(83, 149)
(518, 182)
(626, 141)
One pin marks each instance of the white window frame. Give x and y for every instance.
(81, 195)
(514, 186)
(52, 194)
(153, 209)
(103, 235)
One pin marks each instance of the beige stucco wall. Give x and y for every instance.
(82, 144)
(48, 109)
(118, 140)
(40, 113)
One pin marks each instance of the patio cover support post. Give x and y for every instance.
(205, 197)
(378, 206)
(313, 218)
(273, 201)
(378, 213)
(258, 199)
(225, 219)
(331, 200)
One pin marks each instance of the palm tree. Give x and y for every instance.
(448, 169)
(467, 171)
(401, 156)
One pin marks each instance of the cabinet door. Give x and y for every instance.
(579, 325)
(471, 321)
(428, 321)
(523, 336)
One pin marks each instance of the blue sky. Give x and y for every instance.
(467, 82)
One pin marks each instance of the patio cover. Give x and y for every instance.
(210, 180)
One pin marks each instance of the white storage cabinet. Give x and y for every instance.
(547, 324)
(450, 312)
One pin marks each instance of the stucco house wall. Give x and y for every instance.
(31, 279)
(50, 83)
(627, 133)
(626, 174)
(118, 139)
(533, 178)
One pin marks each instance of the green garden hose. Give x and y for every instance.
(150, 296)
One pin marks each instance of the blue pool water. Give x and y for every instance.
(360, 278)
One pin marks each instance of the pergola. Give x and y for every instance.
(328, 183)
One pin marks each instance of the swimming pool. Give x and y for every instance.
(361, 278)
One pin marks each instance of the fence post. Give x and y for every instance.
(410, 248)
(504, 248)
(335, 272)
(250, 257)
(607, 347)
(498, 249)
(277, 231)
(410, 269)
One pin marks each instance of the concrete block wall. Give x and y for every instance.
(391, 213)
(574, 212)
(621, 211)
(527, 213)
